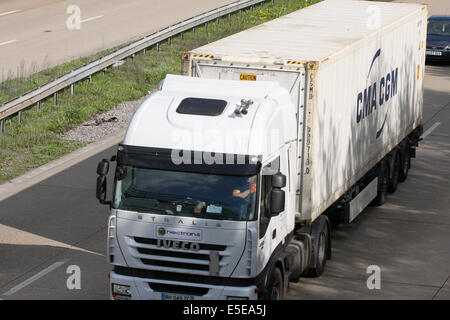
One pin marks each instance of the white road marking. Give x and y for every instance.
(90, 19)
(9, 12)
(434, 126)
(34, 278)
(7, 42)
(13, 236)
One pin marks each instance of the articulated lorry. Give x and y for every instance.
(230, 176)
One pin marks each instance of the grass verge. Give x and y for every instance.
(37, 139)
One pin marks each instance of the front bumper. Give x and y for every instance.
(445, 56)
(141, 289)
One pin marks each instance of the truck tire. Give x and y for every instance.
(396, 167)
(383, 181)
(320, 252)
(275, 285)
(406, 163)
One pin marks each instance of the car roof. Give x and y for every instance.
(439, 17)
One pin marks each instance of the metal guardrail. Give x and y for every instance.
(51, 88)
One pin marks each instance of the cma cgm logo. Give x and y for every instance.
(376, 95)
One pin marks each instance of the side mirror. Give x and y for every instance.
(103, 167)
(101, 189)
(277, 196)
(278, 180)
(102, 171)
(277, 200)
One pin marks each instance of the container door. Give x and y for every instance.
(291, 79)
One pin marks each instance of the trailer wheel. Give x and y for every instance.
(383, 182)
(393, 182)
(406, 163)
(275, 285)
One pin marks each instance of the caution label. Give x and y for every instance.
(247, 77)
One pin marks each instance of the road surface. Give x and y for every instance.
(58, 223)
(35, 35)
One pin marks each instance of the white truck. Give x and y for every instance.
(230, 176)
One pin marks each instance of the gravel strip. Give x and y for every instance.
(105, 124)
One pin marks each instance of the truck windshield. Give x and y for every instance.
(439, 28)
(186, 194)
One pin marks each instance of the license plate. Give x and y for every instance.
(434, 53)
(170, 296)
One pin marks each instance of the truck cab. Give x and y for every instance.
(204, 191)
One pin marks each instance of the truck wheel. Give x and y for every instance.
(393, 182)
(383, 181)
(406, 163)
(320, 253)
(275, 285)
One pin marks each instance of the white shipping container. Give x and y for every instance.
(355, 71)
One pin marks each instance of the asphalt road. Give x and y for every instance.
(58, 223)
(34, 34)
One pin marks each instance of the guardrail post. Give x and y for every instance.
(217, 20)
(182, 36)
(38, 106)
(20, 116)
(72, 90)
(145, 51)
(169, 41)
(193, 30)
(2, 125)
(55, 98)
(157, 47)
(88, 79)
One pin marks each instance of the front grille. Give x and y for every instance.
(175, 264)
(148, 252)
(203, 246)
(175, 254)
(177, 289)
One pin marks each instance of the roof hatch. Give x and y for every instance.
(201, 106)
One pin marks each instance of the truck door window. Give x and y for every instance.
(266, 186)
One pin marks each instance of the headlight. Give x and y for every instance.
(447, 48)
(121, 292)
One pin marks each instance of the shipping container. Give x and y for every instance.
(354, 69)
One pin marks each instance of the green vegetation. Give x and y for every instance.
(37, 139)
